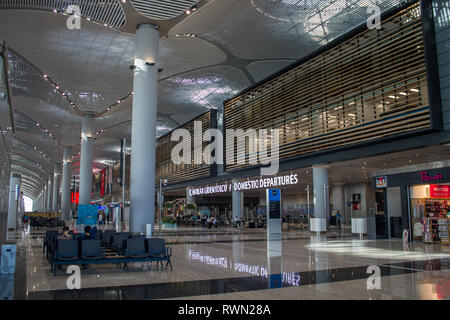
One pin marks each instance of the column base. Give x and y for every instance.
(318, 224)
(321, 233)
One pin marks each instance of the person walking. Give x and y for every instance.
(338, 219)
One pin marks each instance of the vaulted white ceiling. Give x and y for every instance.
(207, 56)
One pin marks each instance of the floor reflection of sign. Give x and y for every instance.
(418, 229)
(381, 182)
(356, 201)
(275, 281)
(405, 236)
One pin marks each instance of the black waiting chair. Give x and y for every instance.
(50, 242)
(156, 248)
(49, 235)
(66, 250)
(118, 241)
(138, 236)
(106, 237)
(91, 250)
(135, 248)
(98, 235)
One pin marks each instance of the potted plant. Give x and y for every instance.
(189, 208)
(169, 222)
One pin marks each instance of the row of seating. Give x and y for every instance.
(41, 222)
(50, 240)
(120, 248)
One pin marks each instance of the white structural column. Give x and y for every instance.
(86, 159)
(14, 194)
(21, 208)
(189, 198)
(56, 181)
(44, 199)
(65, 195)
(143, 129)
(321, 198)
(237, 203)
(49, 192)
(41, 201)
(339, 199)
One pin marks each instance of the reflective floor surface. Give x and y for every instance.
(234, 264)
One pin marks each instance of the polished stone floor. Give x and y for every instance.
(236, 264)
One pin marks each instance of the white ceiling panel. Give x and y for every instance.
(90, 63)
(262, 69)
(260, 29)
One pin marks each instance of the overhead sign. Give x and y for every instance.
(102, 182)
(424, 177)
(75, 197)
(276, 181)
(439, 191)
(381, 182)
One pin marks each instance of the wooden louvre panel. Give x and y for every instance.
(370, 86)
(167, 169)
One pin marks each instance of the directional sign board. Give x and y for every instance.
(273, 197)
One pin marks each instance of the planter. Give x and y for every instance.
(169, 226)
(359, 225)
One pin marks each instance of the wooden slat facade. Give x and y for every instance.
(174, 173)
(370, 86)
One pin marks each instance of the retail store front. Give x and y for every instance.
(430, 214)
(418, 201)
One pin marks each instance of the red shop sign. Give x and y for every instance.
(439, 191)
(424, 177)
(75, 197)
(102, 182)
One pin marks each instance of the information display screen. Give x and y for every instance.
(274, 204)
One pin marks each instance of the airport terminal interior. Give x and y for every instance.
(225, 150)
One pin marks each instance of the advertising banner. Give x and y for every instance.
(439, 191)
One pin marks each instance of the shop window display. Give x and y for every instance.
(430, 214)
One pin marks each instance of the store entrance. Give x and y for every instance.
(394, 210)
(429, 214)
(381, 215)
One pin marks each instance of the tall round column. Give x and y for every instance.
(189, 198)
(143, 129)
(41, 203)
(321, 198)
(65, 195)
(237, 203)
(49, 192)
(56, 181)
(86, 159)
(14, 193)
(44, 198)
(339, 199)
